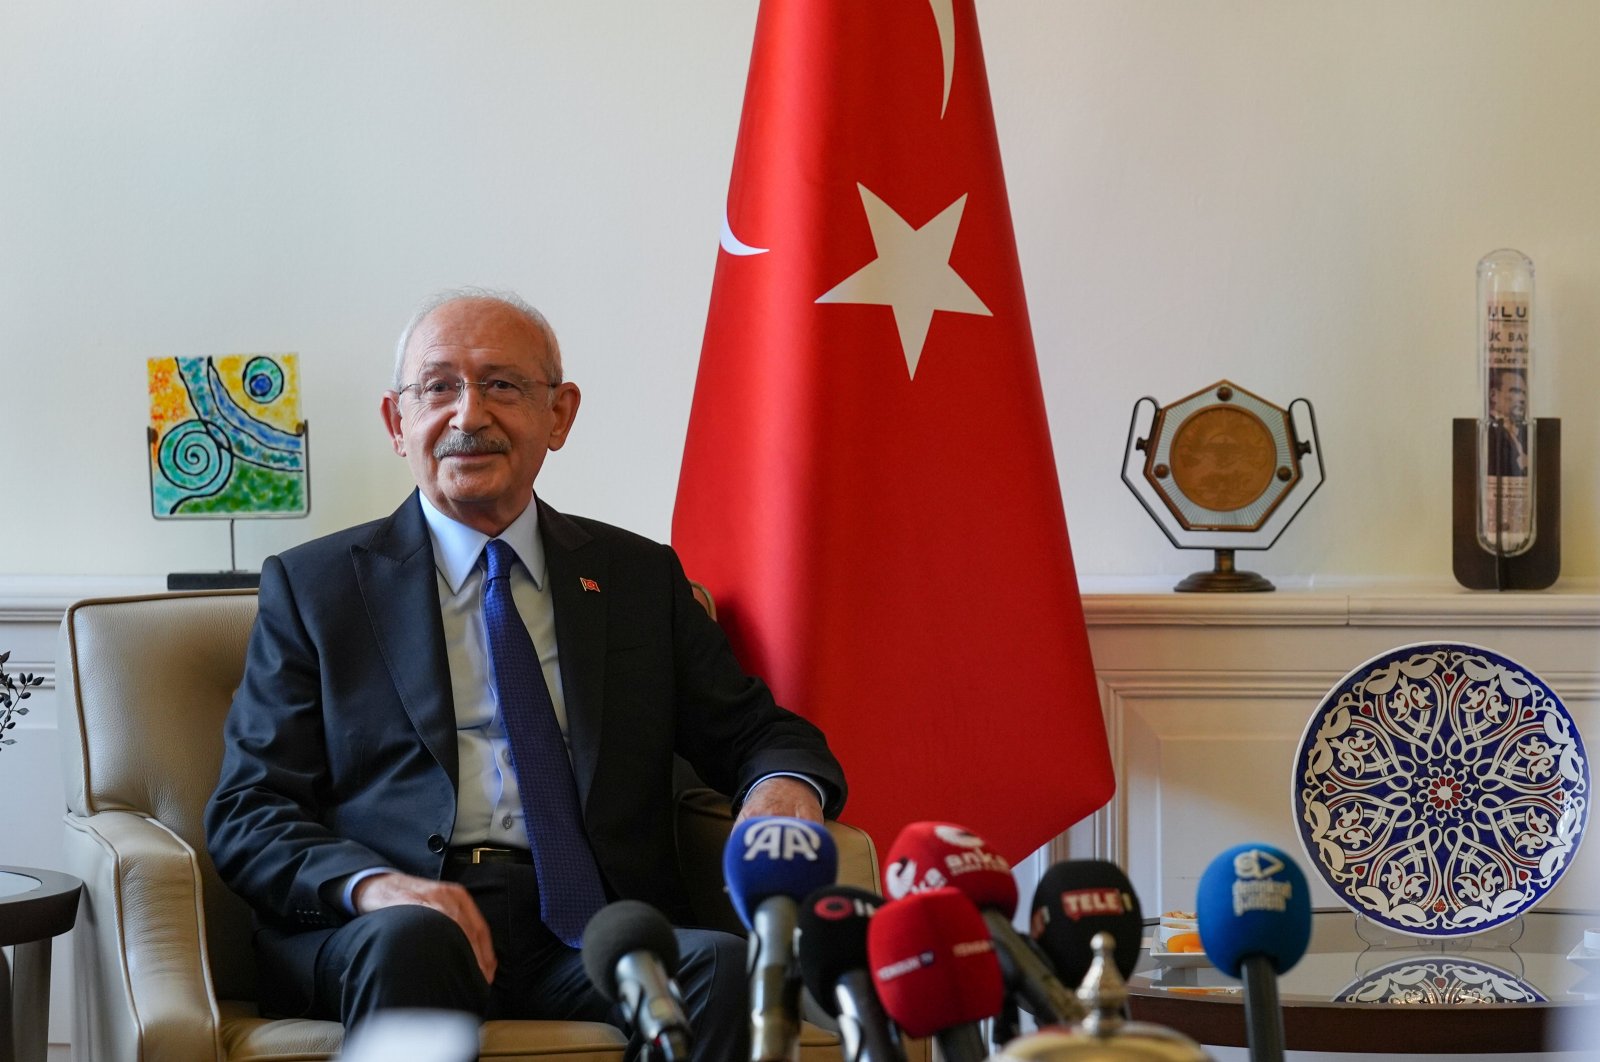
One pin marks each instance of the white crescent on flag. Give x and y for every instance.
(944, 17)
(732, 244)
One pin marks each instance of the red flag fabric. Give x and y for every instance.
(868, 487)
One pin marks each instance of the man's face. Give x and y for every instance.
(1510, 396)
(475, 458)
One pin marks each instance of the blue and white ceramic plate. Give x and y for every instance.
(1439, 980)
(1441, 789)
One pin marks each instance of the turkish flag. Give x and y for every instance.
(868, 488)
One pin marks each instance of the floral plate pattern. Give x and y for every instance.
(1441, 789)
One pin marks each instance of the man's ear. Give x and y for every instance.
(390, 411)
(565, 407)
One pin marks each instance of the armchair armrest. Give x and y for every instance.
(705, 819)
(142, 910)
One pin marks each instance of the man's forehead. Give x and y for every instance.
(475, 331)
(479, 361)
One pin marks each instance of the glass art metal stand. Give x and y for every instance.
(232, 579)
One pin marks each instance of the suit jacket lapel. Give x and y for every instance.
(399, 588)
(571, 556)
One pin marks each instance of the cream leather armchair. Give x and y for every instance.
(162, 955)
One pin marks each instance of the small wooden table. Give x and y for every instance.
(35, 907)
(1362, 988)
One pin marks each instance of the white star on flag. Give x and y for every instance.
(912, 273)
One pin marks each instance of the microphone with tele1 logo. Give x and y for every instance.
(770, 864)
(1074, 901)
(1254, 911)
(933, 854)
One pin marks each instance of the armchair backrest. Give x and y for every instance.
(145, 684)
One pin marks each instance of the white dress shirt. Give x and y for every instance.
(488, 808)
(488, 805)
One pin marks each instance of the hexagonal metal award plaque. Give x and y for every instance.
(1223, 469)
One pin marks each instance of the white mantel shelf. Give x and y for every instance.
(1113, 600)
(32, 598)
(1144, 601)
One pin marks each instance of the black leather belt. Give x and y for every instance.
(487, 854)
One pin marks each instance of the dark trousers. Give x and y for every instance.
(416, 957)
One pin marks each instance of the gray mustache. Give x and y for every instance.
(459, 443)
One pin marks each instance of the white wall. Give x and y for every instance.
(1291, 195)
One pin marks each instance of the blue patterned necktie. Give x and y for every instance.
(569, 882)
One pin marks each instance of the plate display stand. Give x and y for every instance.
(1380, 937)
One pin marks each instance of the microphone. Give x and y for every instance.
(836, 970)
(1074, 901)
(932, 854)
(935, 969)
(630, 954)
(771, 863)
(1254, 911)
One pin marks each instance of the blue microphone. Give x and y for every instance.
(770, 864)
(1254, 911)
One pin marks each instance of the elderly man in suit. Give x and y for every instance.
(454, 737)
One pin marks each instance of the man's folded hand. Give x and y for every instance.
(393, 888)
(782, 795)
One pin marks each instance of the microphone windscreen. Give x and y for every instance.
(933, 962)
(933, 855)
(776, 856)
(1253, 900)
(833, 938)
(1074, 901)
(619, 929)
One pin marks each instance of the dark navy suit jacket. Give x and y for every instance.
(341, 743)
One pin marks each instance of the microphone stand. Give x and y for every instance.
(962, 1043)
(1263, 1015)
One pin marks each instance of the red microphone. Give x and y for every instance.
(936, 854)
(935, 969)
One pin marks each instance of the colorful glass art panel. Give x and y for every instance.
(226, 437)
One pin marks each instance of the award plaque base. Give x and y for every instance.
(1477, 568)
(1224, 578)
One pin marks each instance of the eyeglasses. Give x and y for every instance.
(439, 392)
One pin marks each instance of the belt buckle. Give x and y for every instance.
(480, 851)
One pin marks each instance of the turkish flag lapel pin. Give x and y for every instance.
(589, 584)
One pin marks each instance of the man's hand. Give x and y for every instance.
(449, 899)
(782, 796)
